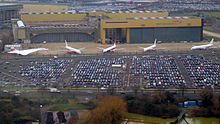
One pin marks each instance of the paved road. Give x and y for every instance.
(211, 34)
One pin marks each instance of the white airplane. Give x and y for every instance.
(153, 47)
(109, 49)
(204, 47)
(26, 52)
(78, 51)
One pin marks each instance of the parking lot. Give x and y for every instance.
(169, 70)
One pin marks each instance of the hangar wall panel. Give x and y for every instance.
(52, 17)
(58, 37)
(170, 34)
(44, 8)
(132, 15)
(140, 23)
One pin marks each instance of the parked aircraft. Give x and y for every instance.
(26, 52)
(78, 51)
(109, 49)
(203, 47)
(153, 47)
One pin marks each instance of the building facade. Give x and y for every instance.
(146, 30)
(124, 26)
(8, 12)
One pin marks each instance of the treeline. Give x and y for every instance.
(18, 110)
(211, 105)
(108, 110)
(160, 104)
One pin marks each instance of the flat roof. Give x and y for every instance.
(146, 18)
(8, 4)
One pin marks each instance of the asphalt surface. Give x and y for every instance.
(10, 67)
(211, 34)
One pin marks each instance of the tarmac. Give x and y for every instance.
(91, 47)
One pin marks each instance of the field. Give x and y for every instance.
(210, 30)
(216, 38)
(211, 14)
(147, 119)
(66, 107)
(91, 47)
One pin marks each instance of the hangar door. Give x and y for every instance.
(174, 34)
(142, 35)
(60, 37)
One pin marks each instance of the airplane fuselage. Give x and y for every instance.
(73, 50)
(26, 52)
(109, 48)
(149, 48)
(202, 46)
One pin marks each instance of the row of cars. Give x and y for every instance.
(156, 70)
(159, 71)
(44, 71)
(97, 72)
(203, 72)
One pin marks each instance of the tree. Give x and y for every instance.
(7, 36)
(50, 118)
(111, 110)
(169, 97)
(216, 108)
(61, 117)
(73, 119)
(135, 89)
(159, 97)
(111, 91)
(206, 96)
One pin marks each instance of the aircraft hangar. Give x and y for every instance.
(147, 29)
(124, 26)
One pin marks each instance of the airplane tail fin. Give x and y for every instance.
(66, 43)
(115, 43)
(155, 41)
(211, 42)
(12, 49)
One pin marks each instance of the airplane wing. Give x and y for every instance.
(160, 48)
(215, 47)
(63, 50)
(141, 47)
(119, 49)
(100, 48)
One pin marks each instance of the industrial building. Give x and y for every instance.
(8, 12)
(52, 17)
(131, 26)
(145, 29)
